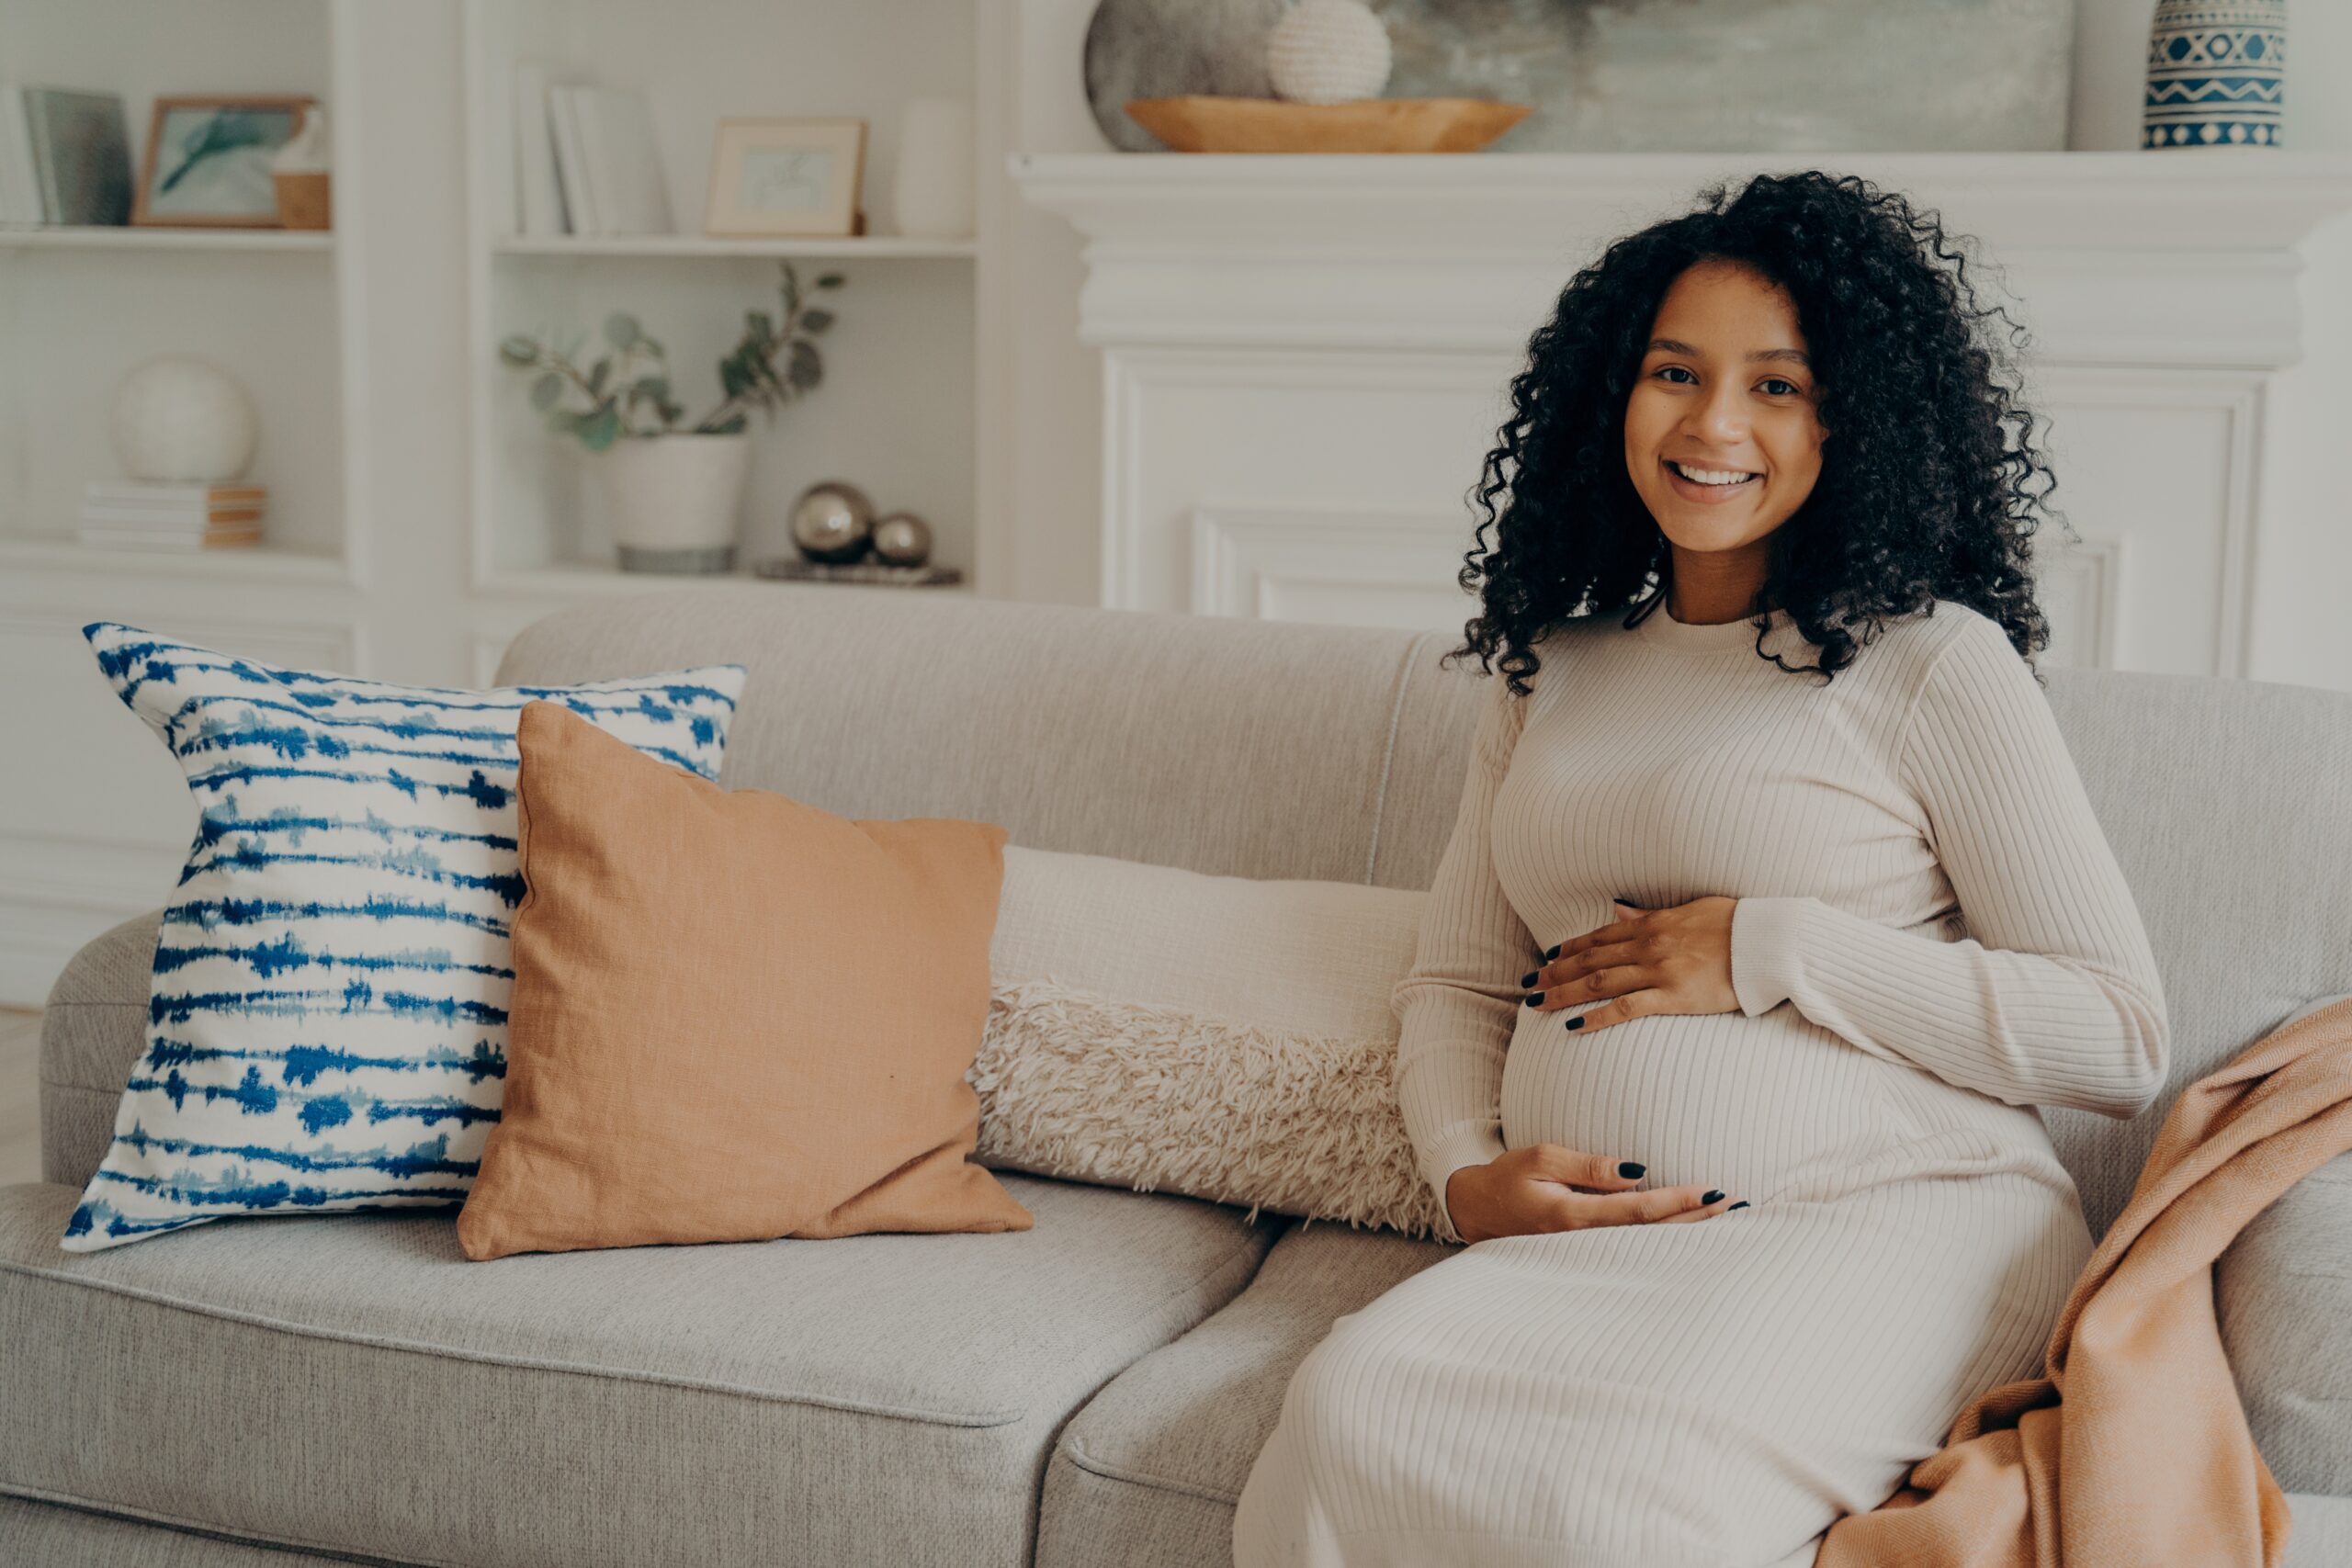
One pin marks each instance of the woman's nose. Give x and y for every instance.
(1719, 416)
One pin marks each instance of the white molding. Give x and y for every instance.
(1318, 249)
(2238, 398)
(2080, 589)
(1129, 375)
(57, 893)
(1245, 556)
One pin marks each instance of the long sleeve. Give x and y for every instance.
(1459, 1003)
(2054, 998)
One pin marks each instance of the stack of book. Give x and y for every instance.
(171, 517)
(64, 157)
(586, 163)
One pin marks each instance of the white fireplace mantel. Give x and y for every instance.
(2175, 258)
(1305, 356)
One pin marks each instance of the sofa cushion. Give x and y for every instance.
(351, 1383)
(1147, 1475)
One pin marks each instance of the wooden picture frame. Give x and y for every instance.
(786, 176)
(146, 211)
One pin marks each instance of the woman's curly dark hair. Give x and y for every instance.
(1921, 494)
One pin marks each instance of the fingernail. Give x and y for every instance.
(1741, 1204)
(1528, 978)
(1551, 952)
(1714, 1195)
(1534, 998)
(1630, 1168)
(1577, 1023)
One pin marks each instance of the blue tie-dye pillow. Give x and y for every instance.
(326, 1027)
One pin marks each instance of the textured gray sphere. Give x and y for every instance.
(832, 521)
(902, 539)
(1162, 49)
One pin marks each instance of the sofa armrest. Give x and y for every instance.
(2283, 1294)
(93, 1031)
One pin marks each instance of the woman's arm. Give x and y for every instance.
(1458, 1004)
(2053, 999)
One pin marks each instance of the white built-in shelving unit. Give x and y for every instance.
(370, 352)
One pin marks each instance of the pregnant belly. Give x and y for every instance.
(1724, 1099)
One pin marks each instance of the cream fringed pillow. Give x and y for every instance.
(1215, 1036)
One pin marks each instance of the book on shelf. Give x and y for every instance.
(570, 163)
(19, 185)
(65, 157)
(172, 517)
(111, 539)
(174, 497)
(539, 199)
(607, 170)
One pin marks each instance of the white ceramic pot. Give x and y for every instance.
(673, 500)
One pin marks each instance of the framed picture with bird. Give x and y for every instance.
(208, 159)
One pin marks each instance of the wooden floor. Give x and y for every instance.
(19, 1096)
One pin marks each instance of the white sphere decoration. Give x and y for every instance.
(1328, 51)
(180, 421)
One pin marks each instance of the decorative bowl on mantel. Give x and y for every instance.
(1198, 122)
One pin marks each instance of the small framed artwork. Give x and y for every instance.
(208, 161)
(786, 176)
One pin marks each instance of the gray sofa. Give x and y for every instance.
(1089, 1392)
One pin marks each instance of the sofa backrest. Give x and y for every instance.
(1286, 750)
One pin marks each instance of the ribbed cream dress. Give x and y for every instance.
(1932, 937)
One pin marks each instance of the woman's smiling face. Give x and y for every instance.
(1724, 389)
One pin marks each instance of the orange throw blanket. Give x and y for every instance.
(2132, 1448)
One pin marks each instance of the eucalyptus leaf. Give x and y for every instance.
(807, 369)
(596, 378)
(830, 280)
(519, 351)
(732, 425)
(546, 390)
(599, 429)
(815, 321)
(620, 328)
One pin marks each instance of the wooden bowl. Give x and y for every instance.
(1199, 123)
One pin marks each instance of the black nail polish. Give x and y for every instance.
(1528, 978)
(1551, 952)
(1576, 1023)
(1630, 1168)
(1741, 1204)
(1534, 998)
(1714, 1195)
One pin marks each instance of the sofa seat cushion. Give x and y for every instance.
(351, 1383)
(1148, 1473)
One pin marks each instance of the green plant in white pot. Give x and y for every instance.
(672, 491)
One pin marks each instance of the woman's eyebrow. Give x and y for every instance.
(1672, 345)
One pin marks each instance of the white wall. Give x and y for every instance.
(2303, 551)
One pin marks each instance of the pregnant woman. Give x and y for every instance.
(1774, 906)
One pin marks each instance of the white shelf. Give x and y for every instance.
(123, 237)
(259, 563)
(588, 580)
(704, 245)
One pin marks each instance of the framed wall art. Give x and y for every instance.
(208, 159)
(786, 176)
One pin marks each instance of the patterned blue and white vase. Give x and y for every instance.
(2217, 71)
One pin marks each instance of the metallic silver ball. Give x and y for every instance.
(832, 521)
(902, 539)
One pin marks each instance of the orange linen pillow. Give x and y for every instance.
(735, 1017)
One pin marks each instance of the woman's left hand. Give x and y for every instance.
(1672, 960)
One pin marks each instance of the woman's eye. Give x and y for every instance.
(1778, 382)
(1666, 369)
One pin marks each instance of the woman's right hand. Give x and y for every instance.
(1534, 1189)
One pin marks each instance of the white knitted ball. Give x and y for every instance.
(180, 421)
(1327, 52)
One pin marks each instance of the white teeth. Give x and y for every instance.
(1709, 475)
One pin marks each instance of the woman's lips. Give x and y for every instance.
(1705, 494)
